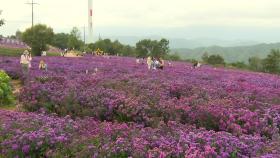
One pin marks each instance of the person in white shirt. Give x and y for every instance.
(25, 61)
(44, 53)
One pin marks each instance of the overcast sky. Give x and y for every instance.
(220, 19)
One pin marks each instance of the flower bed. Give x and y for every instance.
(218, 105)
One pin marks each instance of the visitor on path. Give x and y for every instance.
(44, 53)
(64, 52)
(196, 65)
(149, 62)
(30, 59)
(155, 64)
(169, 63)
(143, 61)
(25, 61)
(43, 65)
(137, 61)
(161, 63)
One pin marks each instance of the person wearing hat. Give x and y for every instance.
(25, 61)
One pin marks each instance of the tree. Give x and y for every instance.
(1, 20)
(144, 48)
(216, 60)
(161, 48)
(255, 64)
(152, 48)
(174, 57)
(60, 40)
(205, 57)
(271, 63)
(38, 37)
(74, 41)
(240, 65)
(18, 35)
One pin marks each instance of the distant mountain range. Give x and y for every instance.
(231, 50)
(184, 43)
(230, 54)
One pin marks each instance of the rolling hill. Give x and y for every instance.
(230, 54)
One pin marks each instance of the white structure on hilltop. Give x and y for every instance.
(90, 23)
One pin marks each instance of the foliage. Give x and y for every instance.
(240, 65)
(205, 57)
(154, 48)
(6, 96)
(230, 54)
(255, 64)
(18, 35)
(1, 20)
(60, 40)
(271, 63)
(74, 41)
(38, 37)
(174, 112)
(39, 135)
(173, 57)
(112, 47)
(214, 60)
(10, 52)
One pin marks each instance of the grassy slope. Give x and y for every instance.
(231, 54)
(18, 52)
(10, 52)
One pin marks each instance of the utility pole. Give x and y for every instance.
(32, 6)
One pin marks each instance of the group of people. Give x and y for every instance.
(197, 65)
(25, 61)
(155, 63)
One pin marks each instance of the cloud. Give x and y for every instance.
(64, 14)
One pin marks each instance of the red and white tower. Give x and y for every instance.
(90, 23)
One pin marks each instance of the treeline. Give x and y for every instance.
(270, 64)
(40, 36)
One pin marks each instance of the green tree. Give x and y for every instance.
(60, 40)
(255, 64)
(216, 60)
(38, 37)
(74, 41)
(18, 35)
(144, 47)
(271, 63)
(161, 48)
(1, 20)
(174, 57)
(205, 57)
(240, 65)
(128, 51)
(152, 47)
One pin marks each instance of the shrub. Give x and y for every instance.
(6, 96)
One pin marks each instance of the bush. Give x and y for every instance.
(6, 96)
(216, 60)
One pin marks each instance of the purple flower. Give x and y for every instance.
(25, 149)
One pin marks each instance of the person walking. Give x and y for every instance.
(25, 61)
(149, 62)
(161, 63)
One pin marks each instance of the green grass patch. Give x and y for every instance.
(15, 52)
(10, 51)
(8, 107)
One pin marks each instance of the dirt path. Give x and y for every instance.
(17, 86)
(72, 55)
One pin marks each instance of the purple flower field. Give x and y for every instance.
(124, 110)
